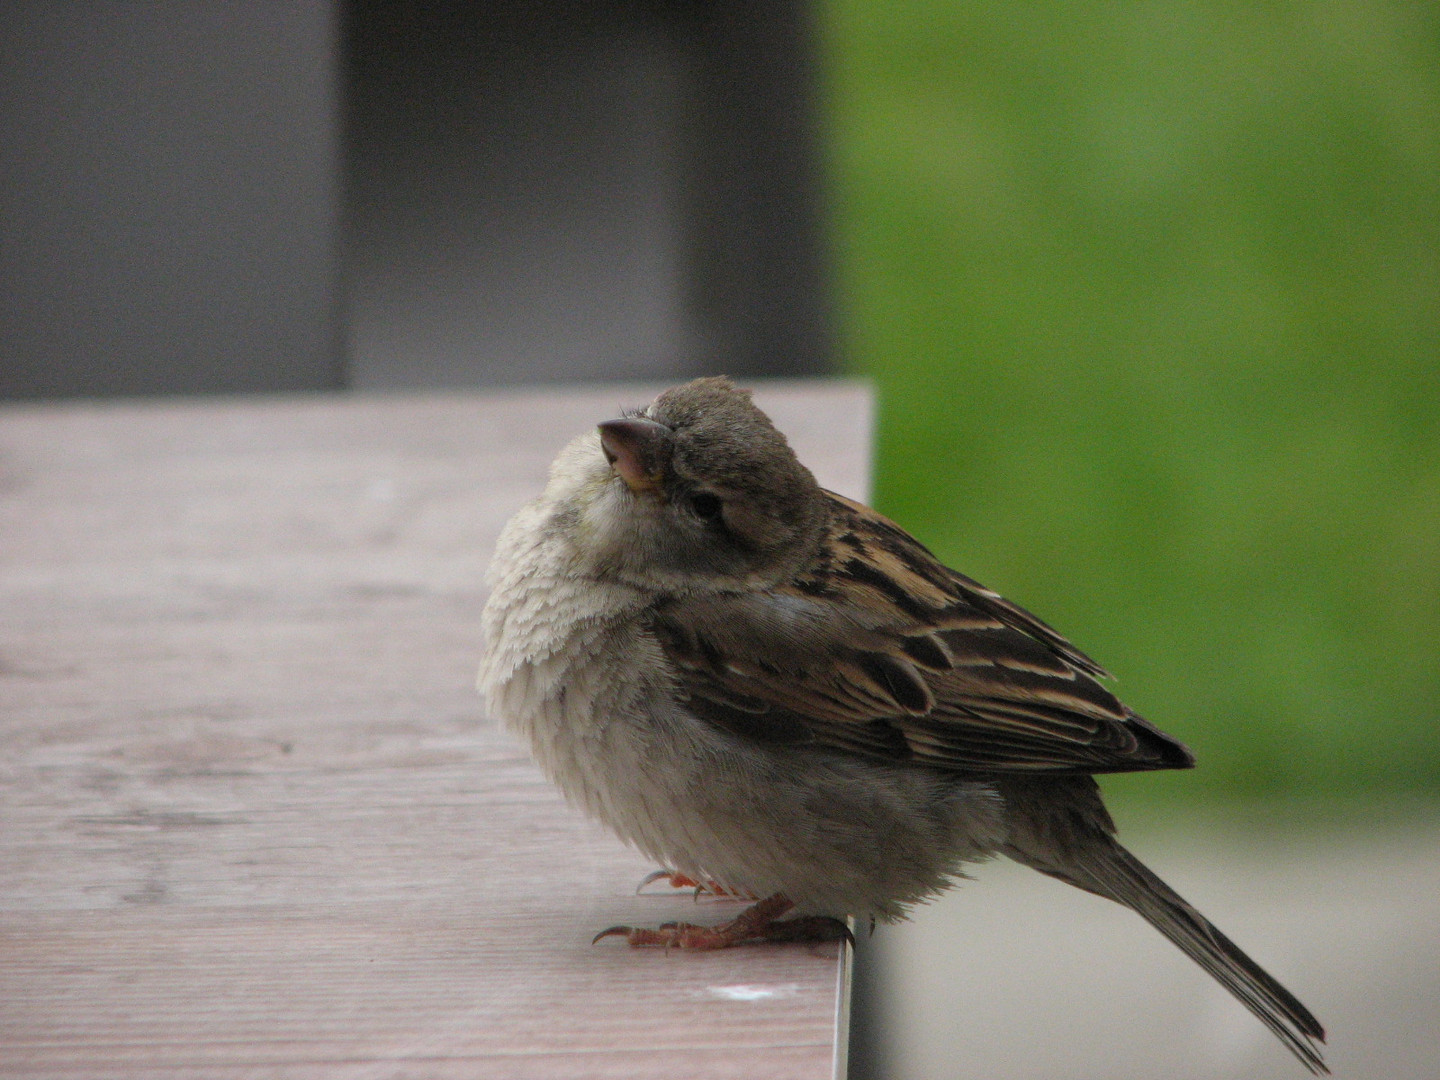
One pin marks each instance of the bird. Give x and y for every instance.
(777, 693)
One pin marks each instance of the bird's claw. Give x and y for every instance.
(677, 880)
(639, 935)
(670, 877)
(759, 923)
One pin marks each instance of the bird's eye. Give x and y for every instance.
(705, 506)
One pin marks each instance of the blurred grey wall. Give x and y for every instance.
(169, 197)
(514, 192)
(206, 196)
(551, 190)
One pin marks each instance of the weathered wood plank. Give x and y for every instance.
(253, 820)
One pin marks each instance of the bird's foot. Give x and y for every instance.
(758, 923)
(702, 888)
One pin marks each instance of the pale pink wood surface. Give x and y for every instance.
(253, 819)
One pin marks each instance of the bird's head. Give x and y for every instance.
(695, 492)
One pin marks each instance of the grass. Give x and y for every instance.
(1151, 295)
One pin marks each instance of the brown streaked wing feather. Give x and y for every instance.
(882, 651)
(986, 600)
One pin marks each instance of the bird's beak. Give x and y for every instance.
(638, 450)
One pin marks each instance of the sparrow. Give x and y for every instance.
(776, 692)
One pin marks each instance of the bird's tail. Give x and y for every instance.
(1121, 877)
(1096, 863)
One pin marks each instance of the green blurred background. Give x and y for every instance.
(1151, 297)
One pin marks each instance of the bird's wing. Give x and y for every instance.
(882, 651)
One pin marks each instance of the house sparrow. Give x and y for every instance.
(770, 688)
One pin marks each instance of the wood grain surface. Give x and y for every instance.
(253, 819)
